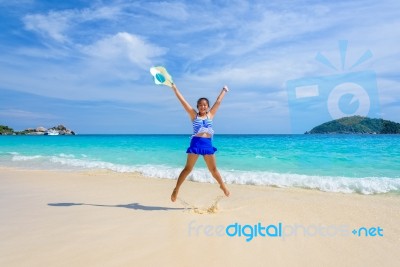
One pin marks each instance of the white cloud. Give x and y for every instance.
(53, 24)
(174, 11)
(125, 46)
(100, 13)
(56, 24)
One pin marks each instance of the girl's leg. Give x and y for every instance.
(191, 160)
(212, 167)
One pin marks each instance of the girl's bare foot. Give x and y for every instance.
(174, 195)
(226, 191)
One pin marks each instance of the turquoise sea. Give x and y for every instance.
(366, 164)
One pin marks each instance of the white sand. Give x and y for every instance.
(109, 219)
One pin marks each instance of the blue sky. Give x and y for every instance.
(85, 64)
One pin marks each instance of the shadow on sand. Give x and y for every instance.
(134, 206)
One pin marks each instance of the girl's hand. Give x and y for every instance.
(225, 88)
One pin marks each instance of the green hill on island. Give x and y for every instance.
(357, 125)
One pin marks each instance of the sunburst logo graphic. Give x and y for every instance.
(343, 52)
(313, 100)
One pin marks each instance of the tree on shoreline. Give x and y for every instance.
(6, 130)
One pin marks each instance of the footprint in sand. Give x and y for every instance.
(213, 208)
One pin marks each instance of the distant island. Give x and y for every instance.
(357, 125)
(56, 130)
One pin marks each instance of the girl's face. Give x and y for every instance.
(202, 106)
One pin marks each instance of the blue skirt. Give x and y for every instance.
(201, 146)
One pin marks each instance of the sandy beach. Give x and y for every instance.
(97, 218)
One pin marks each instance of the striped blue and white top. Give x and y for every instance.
(202, 126)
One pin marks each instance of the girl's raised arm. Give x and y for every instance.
(191, 111)
(217, 103)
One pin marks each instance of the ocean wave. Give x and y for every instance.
(90, 164)
(366, 185)
(362, 185)
(17, 157)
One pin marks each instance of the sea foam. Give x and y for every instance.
(362, 185)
